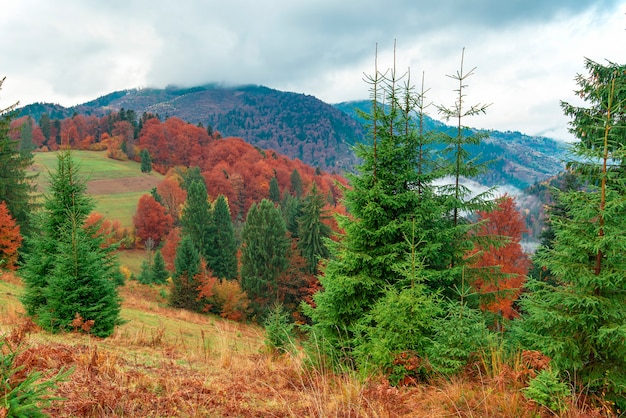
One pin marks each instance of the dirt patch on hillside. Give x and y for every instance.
(123, 185)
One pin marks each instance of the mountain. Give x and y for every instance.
(304, 127)
(517, 159)
(296, 125)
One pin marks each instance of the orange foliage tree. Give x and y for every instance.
(151, 220)
(168, 250)
(10, 238)
(113, 231)
(172, 196)
(502, 265)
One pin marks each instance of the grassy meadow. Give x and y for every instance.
(115, 185)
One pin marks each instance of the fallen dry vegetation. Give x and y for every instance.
(165, 363)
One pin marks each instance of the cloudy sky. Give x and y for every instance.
(526, 52)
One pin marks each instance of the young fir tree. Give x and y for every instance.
(16, 187)
(68, 272)
(457, 197)
(263, 254)
(579, 318)
(159, 272)
(312, 230)
(224, 259)
(146, 161)
(185, 286)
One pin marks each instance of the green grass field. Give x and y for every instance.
(115, 185)
(93, 165)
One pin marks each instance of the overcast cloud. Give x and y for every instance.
(527, 52)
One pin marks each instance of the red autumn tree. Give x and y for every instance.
(172, 196)
(151, 220)
(170, 244)
(10, 238)
(501, 267)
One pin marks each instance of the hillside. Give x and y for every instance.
(115, 185)
(303, 127)
(168, 362)
(296, 125)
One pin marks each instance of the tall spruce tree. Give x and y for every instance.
(67, 272)
(391, 220)
(16, 188)
(224, 257)
(274, 190)
(579, 318)
(263, 254)
(312, 230)
(146, 161)
(197, 219)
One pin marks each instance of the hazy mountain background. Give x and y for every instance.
(321, 134)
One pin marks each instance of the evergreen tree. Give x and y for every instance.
(459, 164)
(274, 190)
(224, 256)
(291, 208)
(197, 219)
(313, 231)
(192, 174)
(263, 253)
(16, 187)
(296, 184)
(185, 291)
(68, 272)
(145, 274)
(159, 272)
(579, 318)
(146, 161)
(44, 124)
(390, 220)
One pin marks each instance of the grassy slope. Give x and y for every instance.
(164, 362)
(116, 185)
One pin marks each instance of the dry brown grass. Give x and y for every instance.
(168, 363)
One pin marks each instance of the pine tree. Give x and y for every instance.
(185, 289)
(197, 219)
(68, 272)
(291, 208)
(274, 190)
(390, 219)
(224, 257)
(296, 184)
(263, 253)
(159, 272)
(313, 231)
(579, 318)
(146, 161)
(16, 187)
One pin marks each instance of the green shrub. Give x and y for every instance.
(279, 329)
(546, 389)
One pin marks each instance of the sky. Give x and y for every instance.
(525, 53)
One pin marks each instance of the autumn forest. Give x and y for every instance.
(393, 272)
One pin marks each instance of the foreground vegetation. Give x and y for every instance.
(168, 362)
